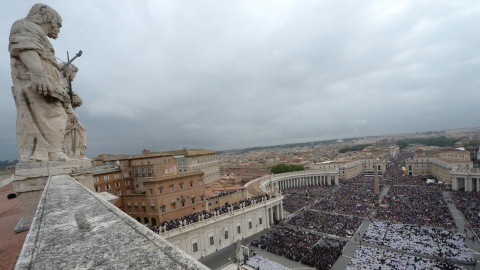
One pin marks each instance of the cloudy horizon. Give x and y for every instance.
(232, 74)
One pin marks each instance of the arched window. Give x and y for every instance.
(154, 221)
(145, 220)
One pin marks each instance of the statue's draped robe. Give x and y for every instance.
(41, 120)
(75, 135)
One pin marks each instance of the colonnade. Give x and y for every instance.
(279, 182)
(305, 181)
(274, 212)
(467, 183)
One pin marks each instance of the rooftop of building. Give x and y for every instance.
(149, 154)
(11, 243)
(172, 176)
(191, 152)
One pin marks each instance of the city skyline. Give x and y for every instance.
(221, 76)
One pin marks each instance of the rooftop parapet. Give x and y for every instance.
(74, 228)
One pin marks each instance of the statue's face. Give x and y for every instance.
(54, 29)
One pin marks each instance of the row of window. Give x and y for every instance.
(211, 237)
(117, 185)
(163, 208)
(116, 176)
(172, 187)
(118, 192)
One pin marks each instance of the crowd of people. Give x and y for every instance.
(416, 205)
(435, 242)
(290, 243)
(259, 262)
(375, 258)
(324, 254)
(203, 215)
(469, 204)
(334, 224)
(305, 247)
(299, 197)
(350, 199)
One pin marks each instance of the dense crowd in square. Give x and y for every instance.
(290, 243)
(435, 242)
(299, 197)
(334, 224)
(308, 248)
(350, 199)
(469, 204)
(324, 254)
(367, 258)
(416, 205)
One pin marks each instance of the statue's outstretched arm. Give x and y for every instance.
(39, 80)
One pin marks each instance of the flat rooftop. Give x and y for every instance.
(11, 243)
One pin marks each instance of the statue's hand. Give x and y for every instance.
(77, 101)
(39, 82)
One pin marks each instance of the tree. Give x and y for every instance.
(283, 168)
(402, 144)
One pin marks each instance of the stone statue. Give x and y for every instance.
(75, 133)
(238, 251)
(38, 86)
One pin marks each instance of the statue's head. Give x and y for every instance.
(43, 14)
(70, 71)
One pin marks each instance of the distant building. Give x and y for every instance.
(247, 172)
(394, 151)
(438, 163)
(151, 164)
(353, 168)
(190, 160)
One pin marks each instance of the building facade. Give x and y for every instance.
(113, 180)
(208, 236)
(167, 197)
(440, 165)
(350, 169)
(190, 160)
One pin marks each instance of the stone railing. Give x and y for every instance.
(220, 217)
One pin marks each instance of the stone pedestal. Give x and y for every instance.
(30, 180)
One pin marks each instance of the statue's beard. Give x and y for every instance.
(53, 32)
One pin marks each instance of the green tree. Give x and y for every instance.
(402, 144)
(283, 168)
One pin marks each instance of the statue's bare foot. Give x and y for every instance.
(38, 159)
(59, 157)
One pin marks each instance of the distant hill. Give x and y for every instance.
(290, 145)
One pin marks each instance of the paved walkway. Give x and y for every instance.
(460, 224)
(351, 247)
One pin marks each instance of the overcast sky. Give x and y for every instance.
(164, 75)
